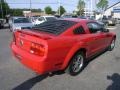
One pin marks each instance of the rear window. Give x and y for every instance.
(54, 27)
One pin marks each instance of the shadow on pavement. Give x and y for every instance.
(27, 85)
(115, 82)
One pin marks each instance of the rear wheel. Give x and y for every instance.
(77, 64)
(112, 45)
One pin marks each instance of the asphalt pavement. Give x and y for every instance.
(102, 73)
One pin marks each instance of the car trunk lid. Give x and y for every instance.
(24, 39)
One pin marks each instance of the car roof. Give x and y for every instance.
(18, 17)
(77, 20)
(47, 16)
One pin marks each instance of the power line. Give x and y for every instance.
(32, 3)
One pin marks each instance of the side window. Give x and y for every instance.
(94, 27)
(41, 19)
(79, 30)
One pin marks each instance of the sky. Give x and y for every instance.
(69, 5)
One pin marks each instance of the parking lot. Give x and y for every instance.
(102, 73)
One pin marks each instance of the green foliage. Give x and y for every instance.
(81, 6)
(19, 12)
(102, 4)
(48, 10)
(62, 10)
(5, 8)
(16, 12)
(36, 10)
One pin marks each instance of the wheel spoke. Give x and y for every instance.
(77, 63)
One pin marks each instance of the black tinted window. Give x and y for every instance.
(79, 30)
(55, 27)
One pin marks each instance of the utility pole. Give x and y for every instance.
(30, 8)
(1, 8)
(91, 8)
(5, 8)
(59, 2)
(85, 8)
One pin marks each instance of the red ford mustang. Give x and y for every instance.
(61, 45)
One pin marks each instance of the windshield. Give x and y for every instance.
(54, 27)
(21, 20)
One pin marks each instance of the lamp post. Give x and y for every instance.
(91, 8)
(1, 8)
(59, 2)
(5, 8)
(30, 8)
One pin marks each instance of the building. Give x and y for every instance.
(113, 10)
(29, 13)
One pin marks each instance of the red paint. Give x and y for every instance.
(56, 50)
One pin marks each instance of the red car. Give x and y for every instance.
(61, 45)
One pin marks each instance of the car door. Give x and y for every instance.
(97, 38)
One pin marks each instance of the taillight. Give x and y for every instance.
(37, 49)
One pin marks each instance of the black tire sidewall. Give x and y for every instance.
(70, 71)
(110, 48)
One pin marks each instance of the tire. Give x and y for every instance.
(76, 64)
(112, 45)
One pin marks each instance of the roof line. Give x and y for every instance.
(113, 5)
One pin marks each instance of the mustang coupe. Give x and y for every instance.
(65, 44)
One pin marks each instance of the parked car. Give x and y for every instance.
(44, 19)
(20, 23)
(83, 17)
(1, 23)
(104, 19)
(118, 20)
(33, 19)
(108, 21)
(111, 21)
(61, 45)
(69, 16)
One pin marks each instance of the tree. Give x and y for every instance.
(102, 5)
(62, 10)
(48, 10)
(4, 8)
(81, 6)
(16, 12)
(36, 10)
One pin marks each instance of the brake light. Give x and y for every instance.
(37, 49)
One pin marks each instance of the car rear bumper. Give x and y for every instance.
(36, 63)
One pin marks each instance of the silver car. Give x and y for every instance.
(18, 23)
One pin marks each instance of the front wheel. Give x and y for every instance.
(112, 45)
(77, 64)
